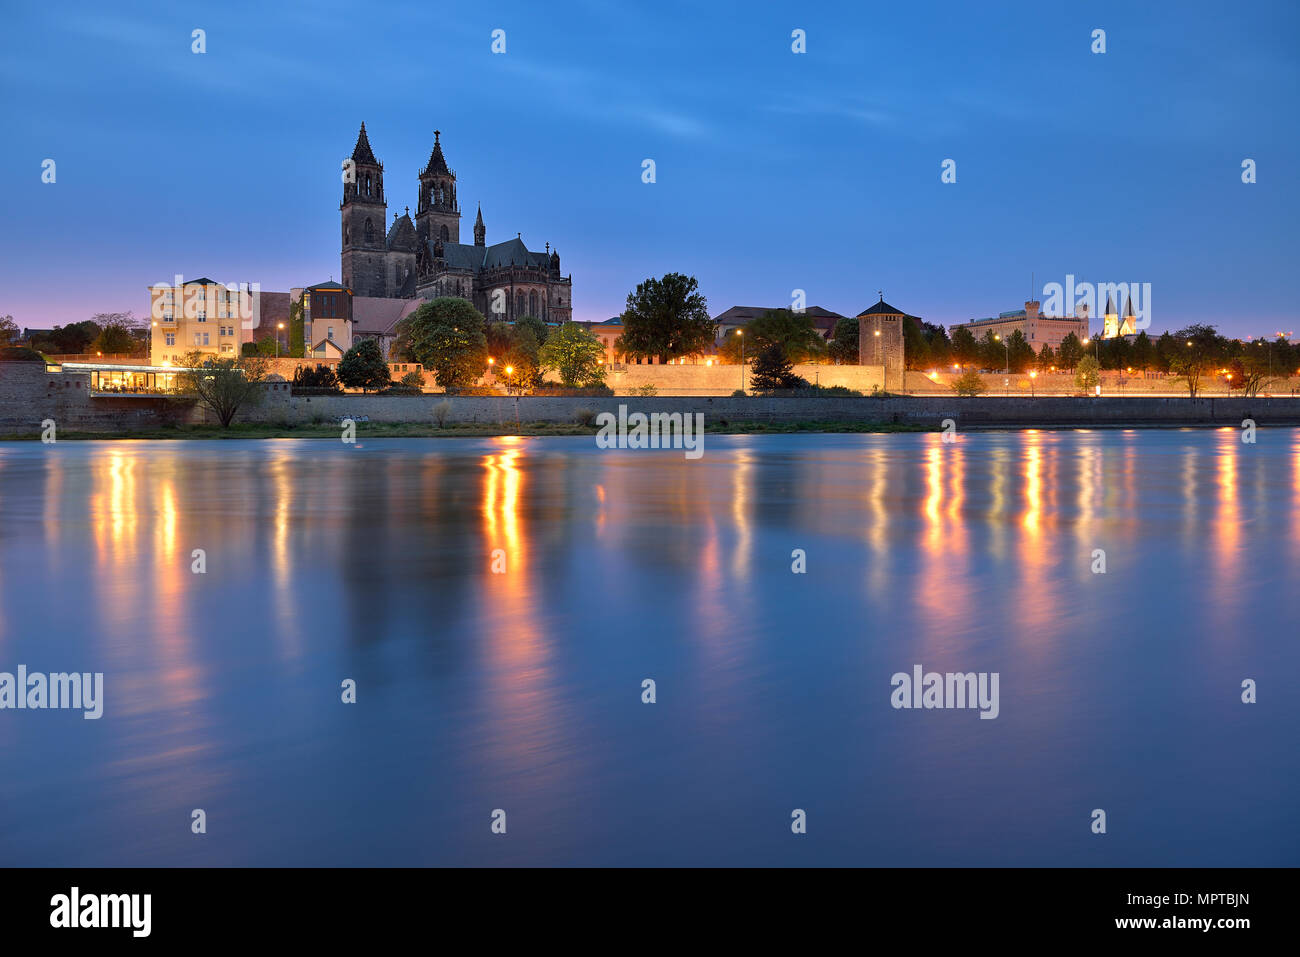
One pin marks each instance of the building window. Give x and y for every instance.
(169, 338)
(205, 339)
(330, 334)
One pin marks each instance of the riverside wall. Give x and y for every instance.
(29, 395)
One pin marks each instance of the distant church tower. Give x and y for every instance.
(437, 216)
(365, 218)
(480, 231)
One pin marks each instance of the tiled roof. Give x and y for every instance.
(377, 317)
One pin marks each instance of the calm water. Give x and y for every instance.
(522, 690)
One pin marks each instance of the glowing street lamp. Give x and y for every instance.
(740, 333)
(278, 327)
(998, 338)
(1032, 376)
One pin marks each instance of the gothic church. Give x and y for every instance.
(426, 258)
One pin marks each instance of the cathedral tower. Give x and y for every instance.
(365, 216)
(437, 215)
(480, 231)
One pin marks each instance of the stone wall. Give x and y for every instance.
(725, 379)
(29, 395)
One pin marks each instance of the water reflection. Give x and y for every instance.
(521, 685)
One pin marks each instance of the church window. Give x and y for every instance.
(532, 303)
(370, 232)
(444, 233)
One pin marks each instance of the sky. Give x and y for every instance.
(775, 171)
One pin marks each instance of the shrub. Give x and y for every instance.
(471, 390)
(585, 416)
(592, 391)
(648, 389)
(440, 413)
(318, 381)
(969, 383)
(739, 394)
(20, 354)
(364, 367)
(772, 370)
(414, 379)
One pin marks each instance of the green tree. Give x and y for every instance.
(844, 341)
(446, 335)
(9, 331)
(120, 333)
(771, 369)
(364, 367)
(322, 377)
(1069, 352)
(223, 386)
(793, 331)
(965, 350)
(969, 382)
(575, 354)
(1022, 353)
(993, 355)
(1201, 351)
(1046, 358)
(666, 318)
(1144, 352)
(1087, 374)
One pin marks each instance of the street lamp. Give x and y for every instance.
(278, 327)
(998, 338)
(740, 333)
(1032, 376)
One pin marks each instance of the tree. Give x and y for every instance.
(446, 335)
(1069, 352)
(413, 380)
(1022, 353)
(9, 331)
(1202, 349)
(1249, 371)
(1046, 358)
(364, 367)
(1087, 374)
(792, 331)
(993, 355)
(1144, 352)
(72, 339)
(666, 318)
(969, 382)
(771, 369)
(844, 341)
(223, 385)
(575, 354)
(322, 377)
(965, 350)
(120, 333)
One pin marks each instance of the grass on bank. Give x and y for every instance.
(419, 430)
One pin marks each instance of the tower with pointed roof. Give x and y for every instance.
(437, 215)
(423, 257)
(365, 216)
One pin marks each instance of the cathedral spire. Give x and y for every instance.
(480, 231)
(437, 162)
(362, 153)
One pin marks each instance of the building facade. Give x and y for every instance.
(1038, 330)
(425, 258)
(200, 316)
(327, 320)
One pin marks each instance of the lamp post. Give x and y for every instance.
(278, 329)
(1033, 374)
(1007, 345)
(740, 333)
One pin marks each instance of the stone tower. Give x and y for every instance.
(365, 216)
(437, 215)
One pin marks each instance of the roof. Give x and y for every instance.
(375, 316)
(401, 235)
(746, 313)
(327, 344)
(362, 153)
(881, 308)
(328, 285)
(437, 162)
(478, 258)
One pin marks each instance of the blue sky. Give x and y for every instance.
(775, 171)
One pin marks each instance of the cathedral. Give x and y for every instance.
(425, 259)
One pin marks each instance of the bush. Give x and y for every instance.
(773, 371)
(585, 416)
(593, 391)
(440, 413)
(364, 367)
(318, 381)
(739, 394)
(414, 379)
(969, 383)
(648, 389)
(472, 390)
(20, 354)
(400, 389)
